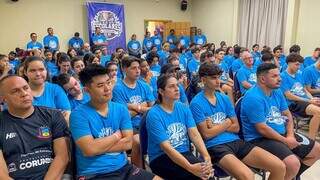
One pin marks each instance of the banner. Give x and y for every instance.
(110, 18)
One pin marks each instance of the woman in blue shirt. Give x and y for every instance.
(170, 125)
(45, 93)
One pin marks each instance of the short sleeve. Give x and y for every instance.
(254, 109)
(125, 121)
(241, 76)
(149, 96)
(79, 125)
(155, 128)
(59, 125)
(229, 107)
(283, 102)
(117, 94)
(197, 112)
(189, 119)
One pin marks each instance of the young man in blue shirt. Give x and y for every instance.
(172, 39)
(267, 123)
(98, 38)
(194, 63)
(246, 75)
(134, 46)
(200, 39)
(76, 42)
(102, 132)
(300, 100)
(137, 96)
(309, 60)
(147, 43)
(311, 77)
(51, 41)
(216, 120)
(34, 44)
(157, 40)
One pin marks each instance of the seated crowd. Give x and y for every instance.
(81, 112)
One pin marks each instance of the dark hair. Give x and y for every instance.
(63, 57)
(161, 84)
(127, 61)
(86, 58)
(294, 57)
(265, 68)
(77, 34)
(174, 50)
(2, 56)
(62, 79)
(151, 56)
(172, 58)
(75, 59)
(222, 43)
(90, 72)
(317, 49)
(91, 58)
(267, 57)
(255, 45)
(32, 34)
(276, 49)
(69, 50)
(48, 50)
(209, 69)
(31, 59)
(218, 50)
(228, 48)
(195, 50)
(294, 49)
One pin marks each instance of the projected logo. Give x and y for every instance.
(109, 23)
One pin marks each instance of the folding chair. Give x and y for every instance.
(143, 136)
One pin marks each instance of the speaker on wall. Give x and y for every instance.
(184, 5)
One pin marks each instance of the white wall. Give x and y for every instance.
(308, 27)
(19, 19)
(216, 18)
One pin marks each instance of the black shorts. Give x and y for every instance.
(282, 151)
(164, 167)
(299, 108)
(239, 148)
(127, 172)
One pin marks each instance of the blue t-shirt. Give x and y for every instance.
(134, 47)
(202, 109)
(53, 96)
(147, 44)
(185, 41)
(225, 72)
(285, 66)
(163, 57)
(75, 103)
(34, 45)
(294, 84)
(236, 65)
(137, 95)
(246, 74)
(173, 127)
(171, 39)
(51, 41)
(101, 38)
(311, 76)
(257, 107)
(51, 67)
(256, 56)
(228, 59)
(183, 61)
(157, 41)
(309, 60)
(76, 43)
(105, 59)
(200, 39)
(86, 121)
(193, 67)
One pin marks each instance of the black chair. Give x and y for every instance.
(143, 136)
(260, 172)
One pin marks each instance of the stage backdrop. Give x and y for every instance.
(110, 18)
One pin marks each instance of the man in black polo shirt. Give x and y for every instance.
(33, 140)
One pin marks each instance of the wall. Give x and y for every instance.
(19, 19)
(216, 18)
(308, 26)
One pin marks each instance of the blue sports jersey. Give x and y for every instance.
(137, 95)
(75, 103)
(285, 66)
(246, 74)
(193, 67)
(202, 109)
(236, 65)
(225, 72)
(200, 39)
(51, 67)
(294, 84)
(53, 96)
(34, 45)
(86, 121)
(257, 107)
(157, 41)
(147, 44)
(311, 76)
(183, 61)
(76, 43)
(51, 41)
(228, 59)
(134, 47)
(171, 39)
(101, 38)
(105, 59)
(172, 127)
(309, 60)
(185, 41)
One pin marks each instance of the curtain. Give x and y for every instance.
(262, 22)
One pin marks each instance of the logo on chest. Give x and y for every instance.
(44, 133)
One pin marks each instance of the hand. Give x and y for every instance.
(227, 122)
(291, 142)
(230, 82)
(202, 170)
(117, 134)
(315, 101)
(209, 123)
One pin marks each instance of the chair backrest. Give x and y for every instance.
(143, 136)
(236, 87)
(238, 111)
